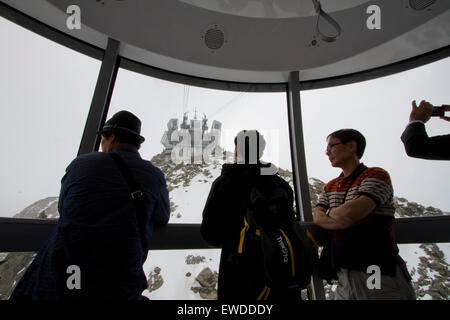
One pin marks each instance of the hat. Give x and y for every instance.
(126, 122)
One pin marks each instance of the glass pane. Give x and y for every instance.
(46, 94)
(428, 264)
(162, 105)
(380, 110)
(182, 274)
(156, 102)
(171, 274)
(12, 267)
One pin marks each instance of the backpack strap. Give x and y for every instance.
(244, 232)
(264, 294)
(242, 236)
(136, 195)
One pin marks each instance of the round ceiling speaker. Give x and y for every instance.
(214, 37)
(420, 4)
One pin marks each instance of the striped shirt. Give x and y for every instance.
(373, 241)
(374, 183)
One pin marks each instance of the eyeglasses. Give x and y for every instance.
(332, 145)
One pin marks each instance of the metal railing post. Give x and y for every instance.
(102, 96)
(300, 176)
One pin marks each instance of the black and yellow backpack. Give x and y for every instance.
(288, 253)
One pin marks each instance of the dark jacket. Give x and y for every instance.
(98, 231)
(419, 145)
(222, 223)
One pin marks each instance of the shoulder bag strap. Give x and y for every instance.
(136, 195)
(351, 183)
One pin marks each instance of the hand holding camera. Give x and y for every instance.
(415, 138)
(426, 110)
(442, 110)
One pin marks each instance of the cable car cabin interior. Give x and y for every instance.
(295, 70)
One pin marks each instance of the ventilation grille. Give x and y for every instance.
(421, 4)
(214, 38)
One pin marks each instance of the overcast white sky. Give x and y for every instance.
(46, 91)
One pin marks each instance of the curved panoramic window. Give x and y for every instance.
(189, 131)
(46, 94)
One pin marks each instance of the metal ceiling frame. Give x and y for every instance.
(188, 236)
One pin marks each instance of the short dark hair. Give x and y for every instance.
(123, 137)
(347, 135)
(260, 144)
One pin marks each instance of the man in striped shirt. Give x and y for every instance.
(358, 207)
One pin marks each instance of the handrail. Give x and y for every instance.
(28, 235)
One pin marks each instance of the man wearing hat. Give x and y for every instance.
(123, 128)
(103, 234)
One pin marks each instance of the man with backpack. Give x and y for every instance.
(358, 208)
(249, 214)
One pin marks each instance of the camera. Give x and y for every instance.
(438, 112)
